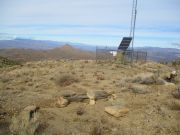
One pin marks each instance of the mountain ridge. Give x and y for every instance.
(63, 52)
(41, 48)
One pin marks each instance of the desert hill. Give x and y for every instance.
(69, 52)
(154, 53)
(84, 97)
(62, 52)
(41, 44)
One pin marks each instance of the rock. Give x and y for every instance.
(94, 95)
(77, 98)
(99, 94)
(172, 76)
(116, 111)
(174, 73)
(61, 102)
(68, 93)
(92, 102)
(114, 96)
(31, 108)
(91, 96)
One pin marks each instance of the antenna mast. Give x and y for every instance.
(133, 22)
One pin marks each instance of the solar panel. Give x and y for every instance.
(125, 43)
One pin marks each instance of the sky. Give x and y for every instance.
(96, 22)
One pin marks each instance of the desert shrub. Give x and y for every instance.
(151, 79)
(80, 111)
(4, 79)
(23, 124)
(137, 79)
(96, 129)
(138, 89)
(175, 105)
(66, 79)
(4, 62)
(163, 62)
(119, 57)
(176, 94)
(99, 75)
(177, 79)
(176, 63)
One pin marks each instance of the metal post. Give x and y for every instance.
(134, 25)
(96, 54)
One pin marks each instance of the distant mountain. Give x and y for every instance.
(62, 52)
(29, 44)
(40, 44)
(161, 54)
(40, 48)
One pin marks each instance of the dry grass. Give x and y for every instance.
(36, 83)
(175, 105)
(177, 79)
(176, 94)
(80, 111)
(66, 80)
(96, 129)
(139, 89)
(23, 126)
(147, 79)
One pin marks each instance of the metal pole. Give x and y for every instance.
(96, 54)
(132, 18)
(134, 25)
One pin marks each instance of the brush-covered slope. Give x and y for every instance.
(63, 52)
(154, 106)
(4, 62)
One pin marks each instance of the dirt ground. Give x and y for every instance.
(152, 108)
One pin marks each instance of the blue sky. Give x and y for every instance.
(97, 22)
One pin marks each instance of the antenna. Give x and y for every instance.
(133, 22)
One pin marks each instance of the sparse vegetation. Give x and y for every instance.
(4, 62)
(96, 129)
(175, 105)
(80, 111)
(148, 79)
(66, 79)
(26, 123)
(176, 63)
(176, 93)
(46, 83)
